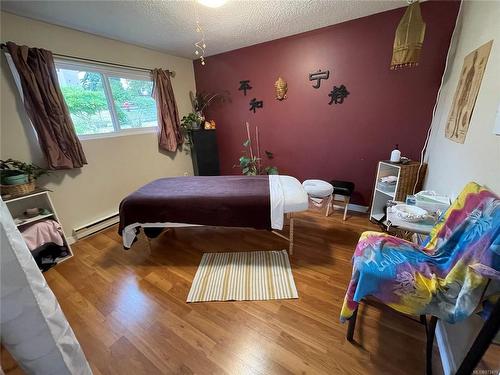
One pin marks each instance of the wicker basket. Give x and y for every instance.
(408, 179)
(20, 189)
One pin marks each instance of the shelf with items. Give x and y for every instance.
(13, 198)
(23, 221)
(38, 199)
(405, 177)
(388, 193)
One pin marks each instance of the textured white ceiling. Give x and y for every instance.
(169, 26)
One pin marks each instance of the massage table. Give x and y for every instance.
(259, 202)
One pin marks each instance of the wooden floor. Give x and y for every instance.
(128, 309)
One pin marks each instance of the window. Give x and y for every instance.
(104, 100)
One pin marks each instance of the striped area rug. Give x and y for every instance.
(256, 275)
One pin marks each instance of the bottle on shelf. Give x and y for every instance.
(396, 155)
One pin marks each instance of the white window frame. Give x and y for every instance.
(106, 73)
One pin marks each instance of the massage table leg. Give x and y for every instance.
(290, 236)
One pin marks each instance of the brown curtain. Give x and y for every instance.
(169, 134)
(46, 108)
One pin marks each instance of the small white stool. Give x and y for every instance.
(319, 189)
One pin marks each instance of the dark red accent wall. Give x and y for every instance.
(311, 139)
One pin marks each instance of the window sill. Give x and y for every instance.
(122, 133)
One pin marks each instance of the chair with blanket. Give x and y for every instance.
(448, 277)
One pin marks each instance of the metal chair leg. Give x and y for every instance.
(352, 326)
(431, 331)
(483, 340)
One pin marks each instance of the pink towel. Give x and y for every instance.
(41, 232)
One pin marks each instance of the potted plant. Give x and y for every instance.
(251, 165)
(189, 123)
(18, 177)
(192, 121)
(251, 162)
(13, 177)
(195, 119)
(201, 101)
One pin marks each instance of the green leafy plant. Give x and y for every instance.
(11, 167)
(270, 169)
(196, 119)
(89, 108)
(201, 101)
(188, 123)
(251, 163)
(84, 103)
(191, 121)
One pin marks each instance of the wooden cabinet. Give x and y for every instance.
(205, 153)
(406, 175)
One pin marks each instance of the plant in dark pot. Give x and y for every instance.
(15, 173)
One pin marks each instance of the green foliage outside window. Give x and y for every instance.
(89, 108)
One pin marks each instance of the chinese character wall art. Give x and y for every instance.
(466, 94)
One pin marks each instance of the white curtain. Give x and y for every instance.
(33, 327)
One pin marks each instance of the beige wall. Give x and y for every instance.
(117, 165)
(452, 165)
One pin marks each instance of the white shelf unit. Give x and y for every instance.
(406, 175)
(38, 199)
(388, 193)
(33, 219)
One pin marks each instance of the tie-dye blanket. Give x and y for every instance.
(447, 276)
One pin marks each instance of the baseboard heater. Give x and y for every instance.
(96, 226)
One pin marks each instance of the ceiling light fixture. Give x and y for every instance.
(212, 3)
(200, 45)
